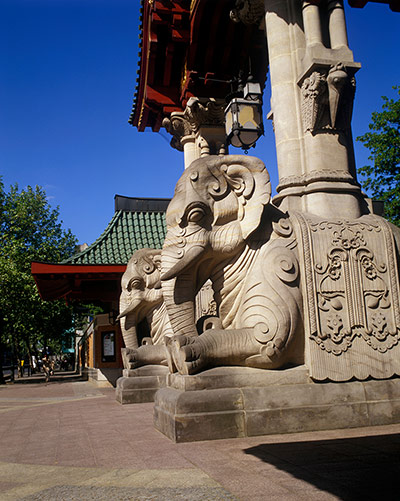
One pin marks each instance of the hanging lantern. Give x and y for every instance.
(243, 117)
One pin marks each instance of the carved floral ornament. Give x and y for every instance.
(353, 268)
(327, 99)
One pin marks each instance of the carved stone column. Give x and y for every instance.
(183, 137)
(337, 24)
(199, 130)
(312, 90)
(286, 47)
(312, 79)
(312, 24)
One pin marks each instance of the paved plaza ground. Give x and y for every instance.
(69, 440)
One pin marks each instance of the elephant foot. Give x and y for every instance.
(187, 355)
(129, 358)
(145, 355)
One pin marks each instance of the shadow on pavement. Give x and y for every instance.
(362, 468)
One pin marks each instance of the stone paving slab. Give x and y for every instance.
(68, 493)
(73, 441)
(35, 482)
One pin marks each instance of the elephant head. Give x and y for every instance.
(217, 207)
(141, 292)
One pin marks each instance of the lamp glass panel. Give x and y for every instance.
(235, 141)
(248, 137)
(228, 120)
(247, 115)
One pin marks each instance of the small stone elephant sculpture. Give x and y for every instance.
(141, 298)
(222, 226)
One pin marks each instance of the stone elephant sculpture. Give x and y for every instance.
(222, 226)
(141, 298)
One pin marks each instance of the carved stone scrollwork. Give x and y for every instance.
(198, 113)
(327, 99)
(178, 126)
(248, 11)
(210, 112)
(352, 295)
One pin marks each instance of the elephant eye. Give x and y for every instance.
(195, 215)
(135, 283)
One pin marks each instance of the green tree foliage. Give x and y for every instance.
(382, 178)
(30, 230)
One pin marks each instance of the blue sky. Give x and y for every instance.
(68, 71)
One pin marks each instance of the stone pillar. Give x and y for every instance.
(312, 82)
(312, 90)
(199, 130)
(188, 144)
(285, 39)
(337, 24)
(312, 23)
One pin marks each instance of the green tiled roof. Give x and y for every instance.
(142, 225)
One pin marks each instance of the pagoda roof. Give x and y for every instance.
(137, 223)
(94, 274)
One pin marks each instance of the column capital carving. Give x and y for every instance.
(198, 113)
(248, 11)
(205, 112)
(178, 127)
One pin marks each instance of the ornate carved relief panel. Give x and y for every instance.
(351, 293)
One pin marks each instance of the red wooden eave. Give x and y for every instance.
(61, 269)
(78, 281)
(183, 41)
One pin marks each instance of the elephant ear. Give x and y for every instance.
(157, 261)
(152, 269)
(249, 180)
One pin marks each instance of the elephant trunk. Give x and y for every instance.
(179, 300)
(128, 323)
(129, 333)
(179, 266)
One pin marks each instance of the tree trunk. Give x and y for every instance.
(2, 380)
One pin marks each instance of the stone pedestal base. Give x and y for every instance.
(140, 385)
(232, 402)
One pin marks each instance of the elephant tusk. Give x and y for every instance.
(183, 263)
(132, 307)
(157, 285)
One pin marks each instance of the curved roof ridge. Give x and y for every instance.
(95, 244)
(127, 232)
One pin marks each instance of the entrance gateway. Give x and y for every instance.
(305, 333)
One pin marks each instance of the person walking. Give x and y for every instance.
(46, 367)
